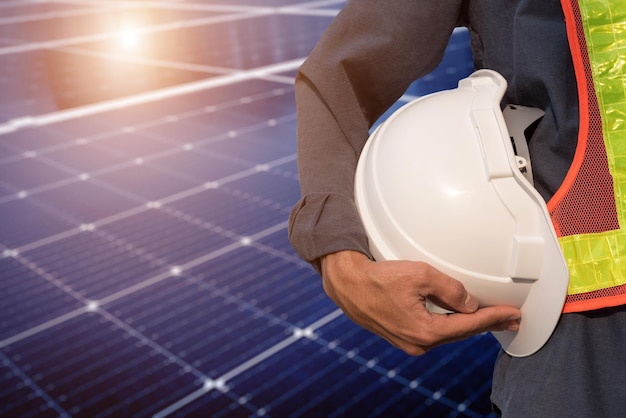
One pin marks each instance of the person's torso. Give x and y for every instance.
(526, 41)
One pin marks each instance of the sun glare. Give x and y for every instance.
(129, 38)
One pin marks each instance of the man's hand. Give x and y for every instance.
(389, 299)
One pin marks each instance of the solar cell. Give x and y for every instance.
(147, 170)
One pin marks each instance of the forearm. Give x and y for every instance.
(325, 219)
(360, 67)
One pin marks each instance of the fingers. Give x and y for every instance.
(442, 329)
(388, 298)
(448, 293)
(422, 330)
(459, 326)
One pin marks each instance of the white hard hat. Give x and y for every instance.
(439, 182)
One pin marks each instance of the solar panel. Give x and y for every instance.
(147, 170)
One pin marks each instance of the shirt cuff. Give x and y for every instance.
(324, 223)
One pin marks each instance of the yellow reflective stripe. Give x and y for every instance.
(595, 261)
(598, 261)
(604, 22)
(615, 141)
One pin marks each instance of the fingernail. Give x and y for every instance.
(471, 303)
(512, 325)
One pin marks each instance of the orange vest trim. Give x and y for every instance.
(603, 298)
(584, 210)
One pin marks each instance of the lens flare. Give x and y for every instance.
(129, 38)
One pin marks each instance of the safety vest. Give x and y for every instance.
(589, 209)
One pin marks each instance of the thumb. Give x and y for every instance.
(449, 293)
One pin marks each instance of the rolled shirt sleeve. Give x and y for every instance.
(363, 63)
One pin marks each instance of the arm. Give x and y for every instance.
(361, 66)
(363, 63)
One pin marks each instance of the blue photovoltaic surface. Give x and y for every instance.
(147, 170)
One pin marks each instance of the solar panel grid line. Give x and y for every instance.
(418, 384)
(285, 401)
(221, 383)
(149, 61)
(104, 251)
(433, 399)
(107, 374)
(90, 304)
(278, 300)
(82, 228)
(308, 6)
(137, 286)
(148, 341)
(142, 208)
(229, 294)
(105, 134)
(91, 225)
(296, 332)
(310, 333)
(290, 258)
(409, 385)
(210, 226)
(366, 390)
(181, 403)
(258, 358)
(79, 176)
(374, 365)
(44, 208)
(155, 95)
(381, 410)
(20, 154)
(304, 7)
(226, 249)
(216, 183)
(299, 11)
(481, 390)
(26, 120)
(50, 15)
(206, 151)
(464, 375)
(37, 390)
(176, 5)
(225, 344)
(249, 13)
(24, 193)
(455, 406)
(43, 326)
(156, 156)
(305, 407)
(13, 3)
(88, 371)
(276, 78)
(48, 277)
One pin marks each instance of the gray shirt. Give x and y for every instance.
(363, 63)
(366, 60)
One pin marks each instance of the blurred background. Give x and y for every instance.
(147, 170)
